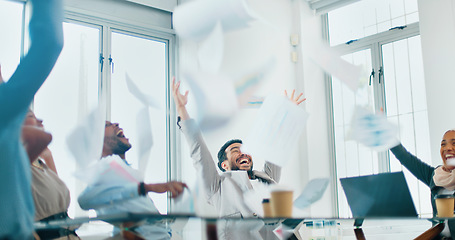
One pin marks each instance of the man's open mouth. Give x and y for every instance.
(243, 160)
(120, 133)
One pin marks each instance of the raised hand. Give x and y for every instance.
(180, 100)
(294, 100)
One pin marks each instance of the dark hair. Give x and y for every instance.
(222, 153)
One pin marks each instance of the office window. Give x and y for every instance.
(144, 60)
(69, 93)
(406, 106)
(352, 158)
(368, 17)
(94, 60)
(397, 86)
(11, 15)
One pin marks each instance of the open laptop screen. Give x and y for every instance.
(380, 195)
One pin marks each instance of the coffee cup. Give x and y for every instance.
(267, 208)
(445, 205)
(281, 203)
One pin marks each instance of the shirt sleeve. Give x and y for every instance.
(202, 159)
(46, 36)
(101, 195)
(417, 167)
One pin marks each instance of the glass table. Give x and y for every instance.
(194, 227)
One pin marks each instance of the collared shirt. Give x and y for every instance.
(121, 196)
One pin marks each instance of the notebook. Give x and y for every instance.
(380, 195)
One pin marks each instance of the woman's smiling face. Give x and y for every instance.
(448, 149)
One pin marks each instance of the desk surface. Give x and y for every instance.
(193, 227)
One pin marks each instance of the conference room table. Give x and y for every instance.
(184, 226)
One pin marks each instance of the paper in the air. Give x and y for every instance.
(312, 192)
(373, 130)
(276, 132)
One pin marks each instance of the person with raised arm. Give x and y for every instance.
(46, 35)
(224, 191)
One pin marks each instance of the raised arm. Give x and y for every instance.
(46, 37)
(35, 140)
(202, 159)
(417, 167)
(48, 158)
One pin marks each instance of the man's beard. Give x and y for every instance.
(119, 147)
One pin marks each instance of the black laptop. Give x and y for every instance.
(380, 195)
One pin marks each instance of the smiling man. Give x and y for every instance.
(123, 195)
(231, 158)
(224, 191)
(115, 142)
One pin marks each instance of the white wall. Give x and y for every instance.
(437, 29)
(318, 163)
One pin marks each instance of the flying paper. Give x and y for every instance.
(196, 19)
(85, 142)
(246, 86)
(215, 97)
(276, 133)
(147, 100)
(145, 138)
(312, 192)
(333, 64)
(210, 52)
(373, 130)
(184, 203)
(110, 170)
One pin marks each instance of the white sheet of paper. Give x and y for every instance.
(196, 19)
(145, 138)
(147, 100)
(85, 142)
(215, 97)
(373, 130)
(210, 52)
(247, 85)
(110, 170)
(184, 204)
(313, 191)
(276, 132)
(333, 64)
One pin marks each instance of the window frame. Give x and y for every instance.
(106, 25)
(375, 43)
(167, 36)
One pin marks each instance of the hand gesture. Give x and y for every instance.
(296, 100)
(180, 100)
(176, 188)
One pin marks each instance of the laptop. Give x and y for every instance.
(380, 195)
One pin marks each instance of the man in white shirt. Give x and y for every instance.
(122, 195)
(224, 191)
